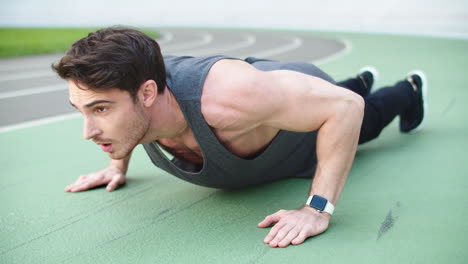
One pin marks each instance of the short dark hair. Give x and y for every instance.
(114, 57)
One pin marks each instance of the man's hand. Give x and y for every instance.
(294, 226)
(111, 176)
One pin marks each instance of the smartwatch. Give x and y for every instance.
(320, 204)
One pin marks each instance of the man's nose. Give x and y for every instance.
(90, 130)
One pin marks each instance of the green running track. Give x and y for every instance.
(405, 200)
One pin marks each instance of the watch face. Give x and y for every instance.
(318, 202)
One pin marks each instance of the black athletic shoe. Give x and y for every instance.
(413, 119)
(369, 77)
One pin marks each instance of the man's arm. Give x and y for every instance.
(338, 123)
(113, 176)
(297, 102)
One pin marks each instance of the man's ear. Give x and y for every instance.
(148, 92)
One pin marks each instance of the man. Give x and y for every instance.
(230, 123)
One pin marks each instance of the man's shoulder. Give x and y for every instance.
(229, 94)
(228, 77)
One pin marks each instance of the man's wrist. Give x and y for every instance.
(320, 204)
(121, 168)
(313, 211)
(121, 165)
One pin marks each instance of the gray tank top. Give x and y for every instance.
(289, 154)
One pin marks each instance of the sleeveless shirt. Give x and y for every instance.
(289, 154)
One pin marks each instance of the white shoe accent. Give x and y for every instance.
(424, 88)
(375, 74)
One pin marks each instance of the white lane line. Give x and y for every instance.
(30, 63)
(347, 49)
(249, 40)
(206, 39)
(26, 75)
(38, 90)
(296, 43)
(166, 37)
(39, 122)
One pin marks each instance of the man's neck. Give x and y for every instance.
(167, 119)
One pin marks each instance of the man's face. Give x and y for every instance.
(111, 119)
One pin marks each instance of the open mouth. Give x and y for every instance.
(106, 147)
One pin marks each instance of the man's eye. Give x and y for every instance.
(100, 109)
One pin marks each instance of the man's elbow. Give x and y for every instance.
(354, 107)
(359, 105)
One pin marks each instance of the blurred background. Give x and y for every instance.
(448, 18)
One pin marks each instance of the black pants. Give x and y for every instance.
(382, 106)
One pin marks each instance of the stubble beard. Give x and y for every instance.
(135, 132)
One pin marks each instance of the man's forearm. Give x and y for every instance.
(336, 147)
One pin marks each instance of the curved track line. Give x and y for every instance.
(207, 38)
(31, 91)
(249, 41)
(348, 48)
(39, 122)
(167, 37)
(26, 75)
(296, 43)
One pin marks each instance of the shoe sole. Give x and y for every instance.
(375, 75)
(424, 88)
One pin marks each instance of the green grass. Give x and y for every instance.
(33, 41)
